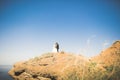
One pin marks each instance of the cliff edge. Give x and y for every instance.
(67, 66)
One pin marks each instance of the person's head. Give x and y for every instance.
(56, 43)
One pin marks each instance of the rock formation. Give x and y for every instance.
(68, 66)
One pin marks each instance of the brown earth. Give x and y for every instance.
(68, 66)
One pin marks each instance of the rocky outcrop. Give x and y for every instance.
(46, 67)
(67, 66)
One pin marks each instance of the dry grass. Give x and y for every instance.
(66, 66)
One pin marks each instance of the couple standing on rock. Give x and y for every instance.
(56, 47)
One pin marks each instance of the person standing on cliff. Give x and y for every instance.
(56, 47)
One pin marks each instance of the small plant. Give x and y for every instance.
(36, 58)
(109, 68)
(72, 74)
(92, 65)
(62, 52)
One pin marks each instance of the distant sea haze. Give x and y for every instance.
(4, 72)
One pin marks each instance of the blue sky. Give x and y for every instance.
(30, 28)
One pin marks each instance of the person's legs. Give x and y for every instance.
(57, 50)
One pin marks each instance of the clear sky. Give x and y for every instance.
(29, 28)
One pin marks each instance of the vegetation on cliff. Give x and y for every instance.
(67, 66)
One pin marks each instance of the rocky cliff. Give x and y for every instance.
(67, 66)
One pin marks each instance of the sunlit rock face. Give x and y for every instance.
(68, 66)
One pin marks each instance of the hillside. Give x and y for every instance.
(67, 66)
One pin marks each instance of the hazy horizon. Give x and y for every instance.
(30, 28)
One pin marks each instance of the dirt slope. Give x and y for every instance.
(67, 66)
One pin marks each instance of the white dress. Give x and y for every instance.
(54, 49)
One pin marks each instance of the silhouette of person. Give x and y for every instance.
(57, 46)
